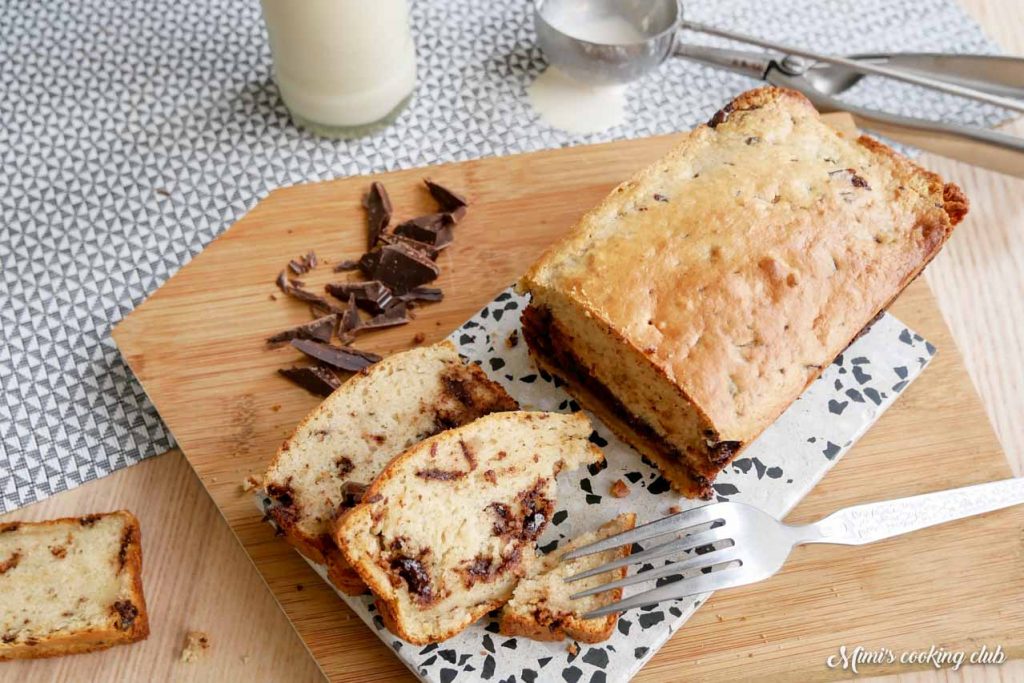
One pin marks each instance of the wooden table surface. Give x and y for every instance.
(198, 577)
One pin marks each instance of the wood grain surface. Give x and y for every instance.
(195, 576)
(196, 345)
(978, 281)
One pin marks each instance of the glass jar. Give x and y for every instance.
(344, 67)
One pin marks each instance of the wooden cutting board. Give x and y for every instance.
(197, 346)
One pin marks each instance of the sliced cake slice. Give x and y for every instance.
(444, 533)
(70, 585)
(340, 447)
(540, 607)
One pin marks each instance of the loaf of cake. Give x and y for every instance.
(444, 533)
(340, 447)
(701, 297)
(541, 608)
(70, 585)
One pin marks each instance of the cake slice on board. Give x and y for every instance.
(541, 608)
(342, 445)
(70, 585)
(444, 533)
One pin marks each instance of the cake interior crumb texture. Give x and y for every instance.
(70, 585)
(702, 296)
(341, 446)
(541, 607)
(444, 533)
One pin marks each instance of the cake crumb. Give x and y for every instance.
(299, 587)
(245, 659)
(196, 643)
(419, 338)
(620, 489)
(572, 648)
(674, 510)
(513, 339)
(253, 481)
(276, 407)
(273, 297)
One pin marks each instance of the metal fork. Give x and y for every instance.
(733, 544)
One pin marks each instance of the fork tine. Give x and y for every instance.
(673, 523)
(696, 585)
(658, 551)
(722, 556)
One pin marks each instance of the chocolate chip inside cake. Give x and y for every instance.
(70, 585)
(445, 532)
(541, 608)
(339, 448)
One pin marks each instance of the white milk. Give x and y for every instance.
(571, 105)
(576, 107)
(341, 65)
(584, 22)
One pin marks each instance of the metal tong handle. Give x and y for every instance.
(824, 102)
(861, 67)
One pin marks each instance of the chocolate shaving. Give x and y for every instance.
(428, 250)
(303, 264)
(397, 314)
(339, 357)
(293, 288)
(349, 321)
(372, 296)
(314, 379)
(322, 328)
(434, 229)
(346, 265)
(378, 213)
(448, 200)
(422, 294)
(398, 267)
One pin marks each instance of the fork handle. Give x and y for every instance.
(862, 524)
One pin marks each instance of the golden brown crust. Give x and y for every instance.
(678, 475)
(731, 272)
(90, 640)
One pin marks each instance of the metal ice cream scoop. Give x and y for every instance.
(616, 41)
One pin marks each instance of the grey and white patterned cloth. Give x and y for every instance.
(133, 133)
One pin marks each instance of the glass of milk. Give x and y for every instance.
(344, 68)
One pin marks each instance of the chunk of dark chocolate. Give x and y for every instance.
(396, 314)
(378, 213)
(428, 250)
(434, 229)
(449, 201)
(322, 328)
(339, 357)
(314, 379)
(346, 265)
(423, 294)
(372, 296)
(293, 288)
(349, 321)
(398, 267)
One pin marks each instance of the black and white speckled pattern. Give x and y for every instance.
(775, 472)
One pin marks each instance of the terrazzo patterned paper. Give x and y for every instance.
(774, 474)
(133, 133)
